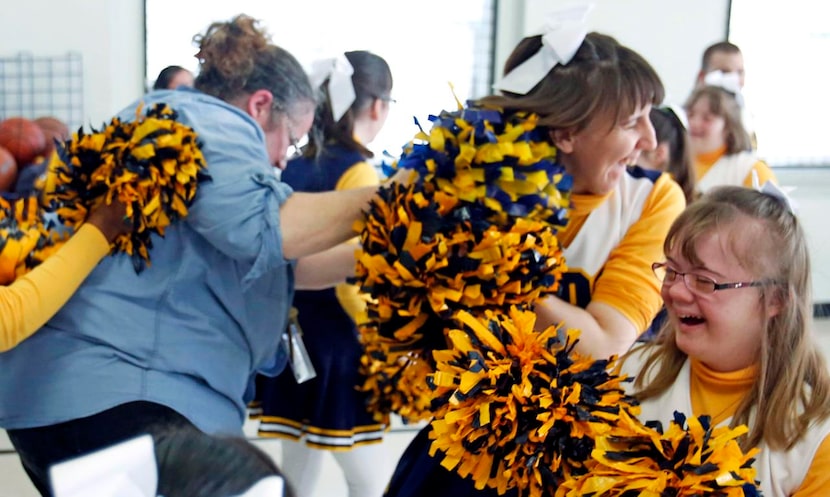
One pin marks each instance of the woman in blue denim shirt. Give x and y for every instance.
(177, 344)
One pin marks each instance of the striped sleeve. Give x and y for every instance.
(817, 480)
(627, 283)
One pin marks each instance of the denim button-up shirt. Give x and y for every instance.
(191, 329)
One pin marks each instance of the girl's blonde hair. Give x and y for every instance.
(792, 389)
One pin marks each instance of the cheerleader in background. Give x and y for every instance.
(672, 153)
(328, 413)
(673, 156)
(721, 147)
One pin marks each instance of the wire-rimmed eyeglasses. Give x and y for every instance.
(385, 98)
(697, 283)
(294, 148)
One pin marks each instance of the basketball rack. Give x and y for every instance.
(37, 86)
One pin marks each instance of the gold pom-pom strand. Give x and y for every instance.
(516, 407)
(689, 459)
(26, 238)
(419, 257)
(152, 164)
(395, 370)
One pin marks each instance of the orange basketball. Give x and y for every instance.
(54, 129)
(8, 170)
(23, 138)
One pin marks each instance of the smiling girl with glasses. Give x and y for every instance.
(742, 352)
(696, 283)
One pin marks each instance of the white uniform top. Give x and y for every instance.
(612, 240)
(780, 472)
(728, 170)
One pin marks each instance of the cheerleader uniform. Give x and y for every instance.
(716, 168)
(327, 411)
(799, 471)
(609, 245)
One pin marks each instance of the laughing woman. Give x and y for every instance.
(595, 108)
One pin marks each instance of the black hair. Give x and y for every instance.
(194, 464)
(669, 129)
(372, 80)
(166, 76)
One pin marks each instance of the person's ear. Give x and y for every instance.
(376, 109)
(259, 106)
(563, 139)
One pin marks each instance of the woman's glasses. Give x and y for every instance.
(295, 143)
(385, 98)
(294, 149)
(696, 283)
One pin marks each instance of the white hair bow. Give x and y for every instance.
(773, 190)
(729, 81)
(338, 70)
(562, 36)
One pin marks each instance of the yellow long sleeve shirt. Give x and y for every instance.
(32, 299)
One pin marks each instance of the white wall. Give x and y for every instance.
(811, 186)
(671, 38)
(109, 35)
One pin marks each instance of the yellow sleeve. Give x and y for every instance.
(627, 283)
(817, 480)
(32, 299)
(764, 173)
(359, 175)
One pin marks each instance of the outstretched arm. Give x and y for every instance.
(313, 222)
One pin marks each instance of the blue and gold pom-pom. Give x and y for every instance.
(453, 264)
(395, 376)
(518, 407)
(476, 230)
(503, 163)
(152, 164)
(689, 459)
(26, 237)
